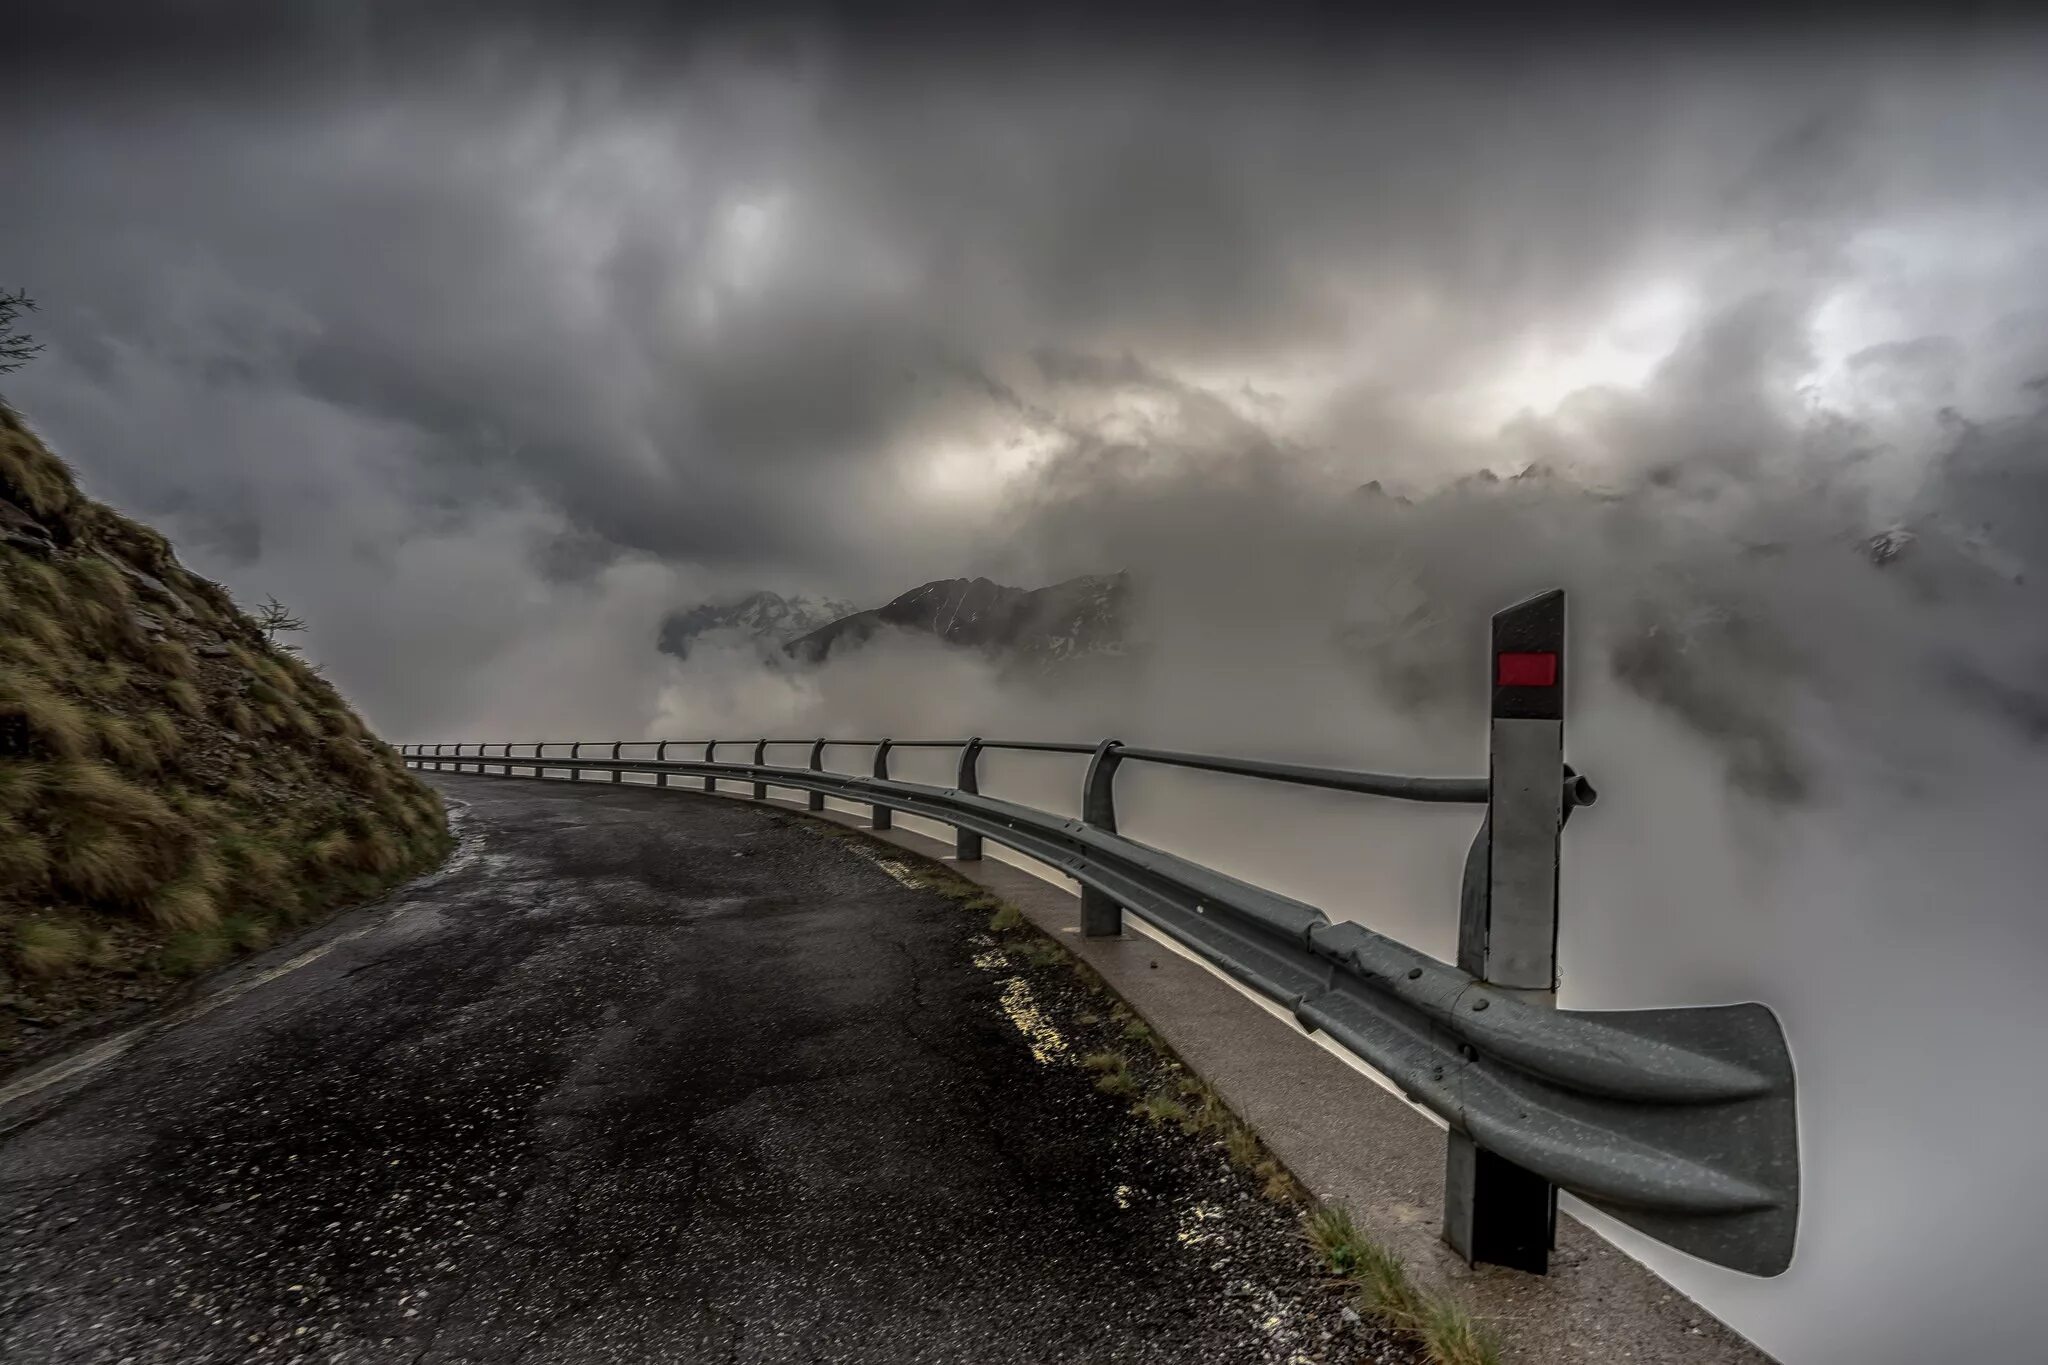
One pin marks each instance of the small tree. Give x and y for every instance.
(17, 347)
(276, 620)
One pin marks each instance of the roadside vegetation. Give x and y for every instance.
(1137, 1067)
(1449, 1334)
(176, 785)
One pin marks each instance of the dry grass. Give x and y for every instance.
(100, 792)
(171, 659)
(99, 596)
(146, 813)
(97, 863)
(128, 743)
(1278, 1185)
(1451, 1336)
(1113, 1073)
(1042, 952)
(1160, 1107)
(45, 947)
(183, 695)
(245, 931)
(329, 851)
(51, 722)
(104, 680)
(163, 734)
(193, 951)
(191, 900)
(260, 874)
(31, 475)
(1006, 920)
(1446, 1330)
(24, 857)
(21, 785)
(1244, 1146)
(31, 623)
(375, 851)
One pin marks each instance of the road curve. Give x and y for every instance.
(640, 1076)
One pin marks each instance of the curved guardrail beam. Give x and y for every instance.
(1681, 1122)
(1678, 1121)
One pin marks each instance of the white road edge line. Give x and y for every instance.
(104, 1051)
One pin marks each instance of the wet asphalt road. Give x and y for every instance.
(638, 1077)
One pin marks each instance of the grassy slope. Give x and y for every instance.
(173, 790)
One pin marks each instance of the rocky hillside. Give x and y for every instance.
(1079, 616)
(174, 790)
(766, 617)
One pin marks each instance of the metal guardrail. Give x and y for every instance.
(1680, 1122)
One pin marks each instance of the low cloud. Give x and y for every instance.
(486, 342)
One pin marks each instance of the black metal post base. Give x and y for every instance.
(1101, 917)
(1495, 1212)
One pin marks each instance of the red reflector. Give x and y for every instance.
(1526, 670)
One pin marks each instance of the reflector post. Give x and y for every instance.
(1495, 1211)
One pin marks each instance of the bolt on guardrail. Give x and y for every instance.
(1681, 1122)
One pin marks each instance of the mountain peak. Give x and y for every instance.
(760, 615)
(1078, 616)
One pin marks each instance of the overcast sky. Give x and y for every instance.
(447, 330)
(486, 335)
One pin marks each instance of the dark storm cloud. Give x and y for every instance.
(488, 335)
(172, 36)
(708, 290)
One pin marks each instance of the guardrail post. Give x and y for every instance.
(618, 775)
(817, 801)
(575, 752)
(1101, 917)
(1495, 1211)
(540, 764)
(506, 767)
(884, 817)
(437, 756)
(710, 756)
(661, 756)
(760, 758)
(966, 844)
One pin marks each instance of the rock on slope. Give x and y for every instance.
(173, 789)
